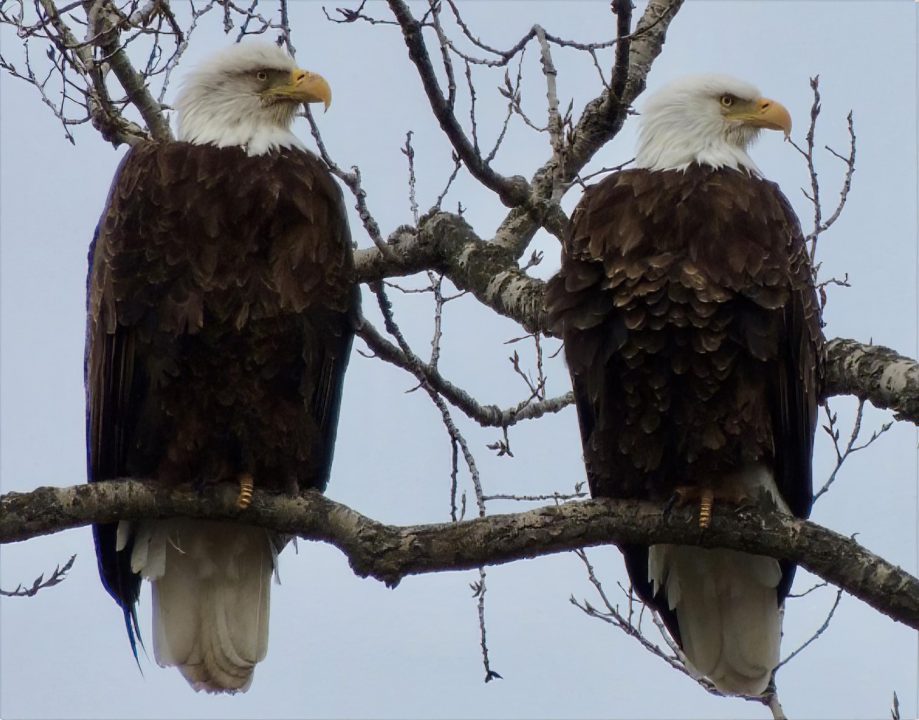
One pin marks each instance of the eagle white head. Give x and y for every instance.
(247, 96)
(708, 120)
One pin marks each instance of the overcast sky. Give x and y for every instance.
(346, 647)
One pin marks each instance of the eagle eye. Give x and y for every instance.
(727, 100)
(261, 76)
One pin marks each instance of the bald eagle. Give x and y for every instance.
(220, 300)
(692, 334)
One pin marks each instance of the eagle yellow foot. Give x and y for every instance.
(705, 496)
(244, 499)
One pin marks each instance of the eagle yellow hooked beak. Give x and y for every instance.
(304, 86)
(762, 113)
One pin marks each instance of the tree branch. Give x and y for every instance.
(874, 373)
(106, 118)
(445, 242)
(512, 191)
(604, 116)
(106, 25)
(390, 553)
(486, 415)
(600, 121)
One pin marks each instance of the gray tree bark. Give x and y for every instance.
(390, 553)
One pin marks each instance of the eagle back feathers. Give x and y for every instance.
(692, 334)
(220, 320)
(685, 300)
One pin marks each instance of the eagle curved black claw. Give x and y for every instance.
(674, 500)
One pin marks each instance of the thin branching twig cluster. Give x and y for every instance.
(110, 62)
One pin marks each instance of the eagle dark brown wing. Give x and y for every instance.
(692, 334)
(220, 318)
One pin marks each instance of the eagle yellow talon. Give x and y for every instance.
(706, 500)
(244, 499)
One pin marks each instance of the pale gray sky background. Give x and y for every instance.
(345, 647)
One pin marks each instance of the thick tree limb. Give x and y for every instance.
(447, 243)
(390, 553)
(874, 373)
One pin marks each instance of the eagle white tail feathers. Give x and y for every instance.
(726, 603)
(211, 586)
(726, 606)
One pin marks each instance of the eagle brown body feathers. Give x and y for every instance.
(221, 296)
(219, 308)
(692, 334)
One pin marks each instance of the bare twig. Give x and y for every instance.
(811, 589)
(842, 454)
(511, 191)
(457, 164)
(554, 125)
(478, 592)
(556, 497)
(409, 153)
(57, 576)
(486, 415)
(435, 7)
(817, 633)
(353, 181)
(807, 152)
(613, 616)
(511, 91)
(847, 179)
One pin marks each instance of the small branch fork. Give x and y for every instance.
(817, 633)
(486, 415)
(630, 623)
(532, 204)
(850, 447)
(820, 225)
